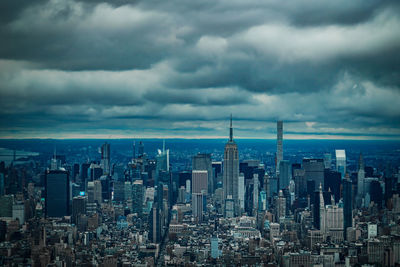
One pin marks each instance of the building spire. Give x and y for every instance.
(231, 131)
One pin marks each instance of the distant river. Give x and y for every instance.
(7, 155)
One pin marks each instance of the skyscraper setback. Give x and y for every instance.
(231, 172)
(279, 148)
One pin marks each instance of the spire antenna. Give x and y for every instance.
(163, 147)
(231, 131)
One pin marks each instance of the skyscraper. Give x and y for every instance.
(198, 206)
(78, 207)
(314, 171)
(141, 149)
(360, 181)
(162, 161)
(279, 148)
(199, 181)
(347, 205)
(57, 193)
(231, 172)
(137, 197)
(199, 190)
(281, 206)
(285, 174)
(327, 160)
(105, 158)
(341, 161)
(241, 191)
(203, 161)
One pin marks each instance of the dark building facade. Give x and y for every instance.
(57, 193)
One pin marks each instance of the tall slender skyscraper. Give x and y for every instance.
(105, 158)
(347, 205)
(279, 149)
(231, 172)
(360, 181)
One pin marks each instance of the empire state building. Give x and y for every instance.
(231, 176)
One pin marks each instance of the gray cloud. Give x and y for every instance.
(180, 68)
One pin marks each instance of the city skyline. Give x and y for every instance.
(95, 69)
(200, 133)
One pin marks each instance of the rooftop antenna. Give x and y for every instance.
(231, 131)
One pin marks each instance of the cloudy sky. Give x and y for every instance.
(178, 68)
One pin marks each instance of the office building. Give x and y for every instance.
(198, 206)
(256, 192)
(137, 197)
(281, 206)
(360, 181)
(119, 191)
(300, 183)
(279, 145)
(199, 181)
(155, 224)
(57, 193)
(6, 203)
(347, 205)
(141, 150)
(241, 191)
(78, 208)
(203, 161)
(95, 171)
(105, 159)
(285, 174)
(162, 159)
(341, 161)
(97, 192)
(314, 171)
(332, 182)
(327, 160)
(231, 172)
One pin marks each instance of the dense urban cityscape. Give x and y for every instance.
(138, 133)
(93, 206)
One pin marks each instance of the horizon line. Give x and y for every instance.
(318, 138)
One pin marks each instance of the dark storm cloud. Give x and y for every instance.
(148, 67)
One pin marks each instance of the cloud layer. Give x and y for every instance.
(329, 69)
